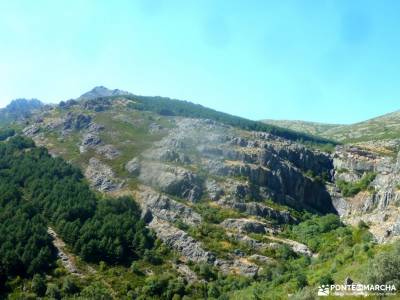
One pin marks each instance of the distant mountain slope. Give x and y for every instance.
(379, 128)
(313, 128)
(19, 109)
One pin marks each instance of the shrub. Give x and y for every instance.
(53, 291)
(350, 189)
(385, 267)
(38, 285)
(301, 281)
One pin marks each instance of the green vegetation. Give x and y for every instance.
(342, 251)
(215, 215)
(6, 133)
(350, 189)
(36, 191)
(172, 107)
(385, 267)
(384, 127)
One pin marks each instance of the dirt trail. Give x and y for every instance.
(67, 259)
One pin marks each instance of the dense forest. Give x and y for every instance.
(37, 191)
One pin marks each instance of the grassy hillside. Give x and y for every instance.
(313, 128)
(173, 107)
(380, 128)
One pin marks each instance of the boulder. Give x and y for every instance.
(133, 166)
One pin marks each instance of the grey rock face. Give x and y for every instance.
(351, 164)
(353, 159)
(167, 209)
(101, 176)
(214, 191)
(181, 242)
(273, 167)
(261, 210)
(76, 122)
(174, 157)
(31, 130)
(172, 180)
(246, 226)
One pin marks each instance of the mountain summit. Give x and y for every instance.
(19, 109)
(102, 91)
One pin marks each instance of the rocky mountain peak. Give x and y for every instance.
(102, 91)
(23, 105)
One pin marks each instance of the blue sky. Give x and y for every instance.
(328, 61)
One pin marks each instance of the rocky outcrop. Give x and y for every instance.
(214, 191)
(180, 241)
(192, 250)
(261, 259)
(89, 140)
(172, 180)
(376, 206)
(296, 246)
(274, 168)
(31, 130)
(157, 205)
(246, 226)
(133, 166)
(250, 242)
(238, 266)
(260, 210)
(101, 177)
(101, 91)
(108, 151)
(76, 122)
